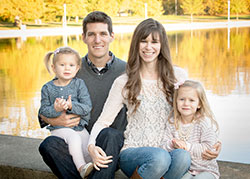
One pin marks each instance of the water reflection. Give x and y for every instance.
(219, 58)
(207, 58)
(228, 37)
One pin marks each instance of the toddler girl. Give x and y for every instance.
(68, 94)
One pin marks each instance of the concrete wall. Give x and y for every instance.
(20, 159)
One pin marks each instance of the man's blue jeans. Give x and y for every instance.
(56, 155)
(155, 162)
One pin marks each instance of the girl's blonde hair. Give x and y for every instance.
(203, 111)
(56, 54)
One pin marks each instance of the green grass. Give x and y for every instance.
(128, 21)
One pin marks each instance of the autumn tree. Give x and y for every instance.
(169, 6)
(120, 6)
(238, 6)
(25, 9)
(53, 8)
(111, 7)
(154, 7)
(248, 5)
(76, 8)
(192, 7)
(216, 7)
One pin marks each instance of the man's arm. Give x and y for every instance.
(66, 120)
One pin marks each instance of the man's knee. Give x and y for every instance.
(110, 133)
(49, 144)
(110, 136)
(44, 145)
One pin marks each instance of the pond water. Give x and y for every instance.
(219, 58)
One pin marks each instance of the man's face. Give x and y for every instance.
(97, 38)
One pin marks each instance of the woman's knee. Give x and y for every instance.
(161, 159)
(185, 156)
(182, 156)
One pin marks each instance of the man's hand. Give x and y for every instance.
(212, 154)
(66, 120)
(99, 157)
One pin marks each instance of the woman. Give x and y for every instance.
(147, 90)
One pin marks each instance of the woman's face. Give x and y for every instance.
(149, 49)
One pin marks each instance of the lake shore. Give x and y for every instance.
(59, 31)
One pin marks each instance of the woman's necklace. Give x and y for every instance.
(184, 132)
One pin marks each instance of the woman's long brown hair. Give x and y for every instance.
(164, 62)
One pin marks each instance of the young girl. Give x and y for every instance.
(192, 128)
(67, 94)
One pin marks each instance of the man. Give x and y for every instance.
(99, 69)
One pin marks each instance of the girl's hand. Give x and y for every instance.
(212, 154)
(69, 103)
(99, 157)
(179, 144)
(60, 105)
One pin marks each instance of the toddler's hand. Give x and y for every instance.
(60, 104)
(69, 103)
(179, 144)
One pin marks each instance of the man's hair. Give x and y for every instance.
(97, 16)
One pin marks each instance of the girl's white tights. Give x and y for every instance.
(77, 142)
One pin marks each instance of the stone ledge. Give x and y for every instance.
(10, 172)
(19, 158)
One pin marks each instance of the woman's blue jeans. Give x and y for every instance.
(153, 162)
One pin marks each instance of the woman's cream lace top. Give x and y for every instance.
(147, 125)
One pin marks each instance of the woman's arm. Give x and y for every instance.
(212, 154)
(111, 108)
(207, 140)
(180, 74)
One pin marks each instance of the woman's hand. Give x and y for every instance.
(99, 157)
(213, 153)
